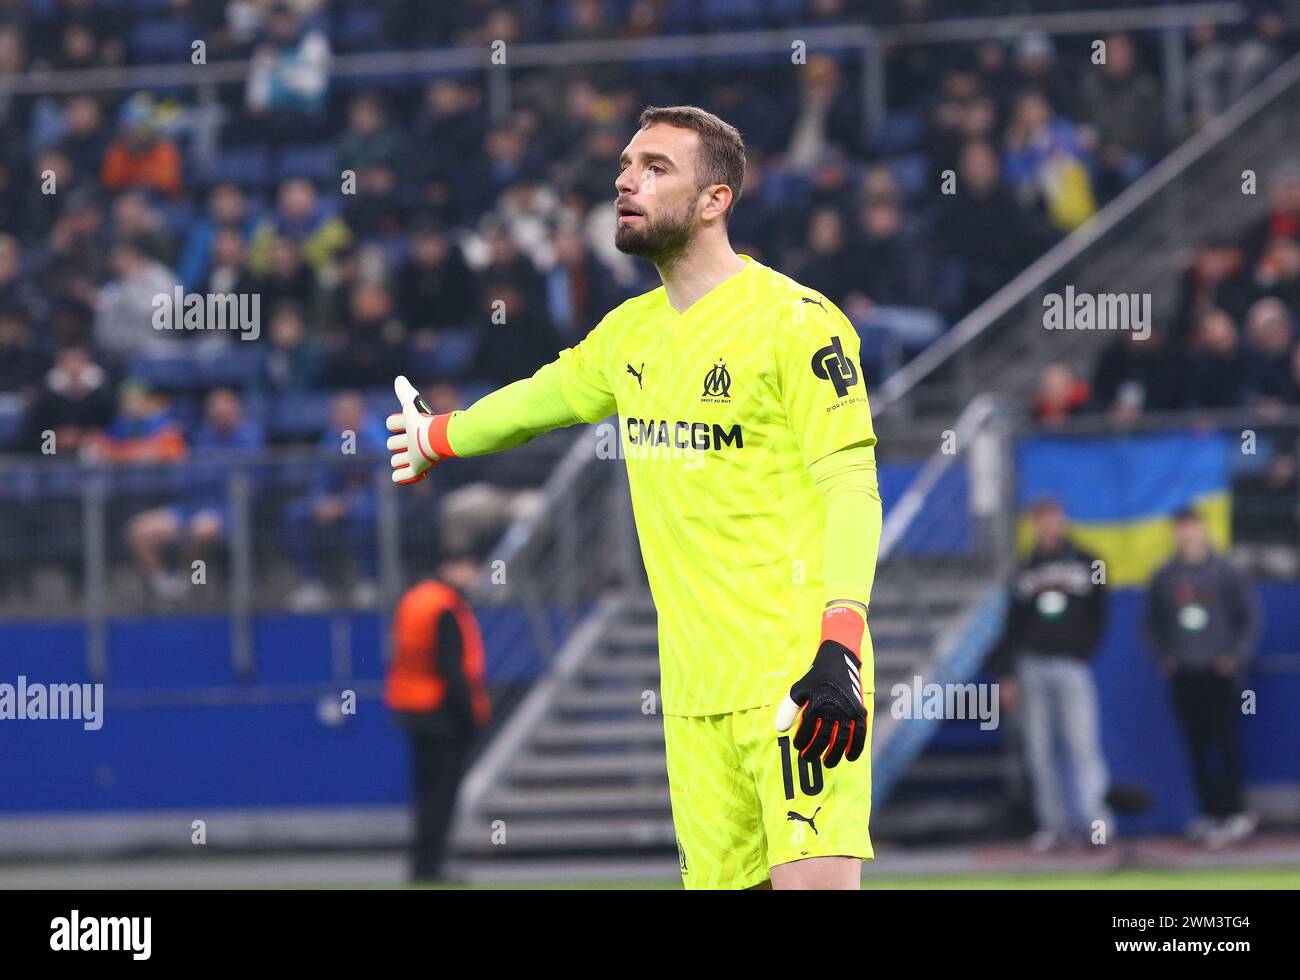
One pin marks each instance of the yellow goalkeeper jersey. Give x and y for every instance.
(721, 409)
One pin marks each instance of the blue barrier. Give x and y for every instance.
(182, 729)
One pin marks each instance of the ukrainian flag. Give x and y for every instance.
(1120, 493)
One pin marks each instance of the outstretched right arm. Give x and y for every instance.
(573, 388)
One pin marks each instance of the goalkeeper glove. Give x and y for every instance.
(421, 436)
(834, 722)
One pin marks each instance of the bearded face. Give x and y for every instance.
(659, 237)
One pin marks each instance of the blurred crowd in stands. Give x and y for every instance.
(396, 223)
(1230, 344)
(1231, 340)
(398, 226)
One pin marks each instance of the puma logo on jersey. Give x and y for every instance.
(636, 374)
(810, 821)
(815, 302)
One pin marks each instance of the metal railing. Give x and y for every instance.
(953, 525)
(286, 530)
(579, 543)
(82, 535)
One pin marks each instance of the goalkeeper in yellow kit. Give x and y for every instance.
(750, 454)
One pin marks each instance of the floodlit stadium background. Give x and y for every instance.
(386, 178)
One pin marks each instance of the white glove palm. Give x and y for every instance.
(412, 450)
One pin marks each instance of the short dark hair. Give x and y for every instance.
(721, 159)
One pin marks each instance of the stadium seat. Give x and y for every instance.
(248, 166)
(359, 29)
(899, 132)
(455, 351)
(394, 249)
(171, 373)
(880, 352)
(313, 160)
(187, 409)
(163, 41)
(299, 415)
(236, 367)
(344, 85)
(912, 171)
(726, 14)
(472, 391)
(450, 358)
(784, 11)
(681, 17)
(913, 327)
(178, 215)
(12, 411)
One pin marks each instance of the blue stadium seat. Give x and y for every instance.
(785, 11)
(681, 17)
(11, 419)
(900, 132)
(880, 353)
(178, 215)
(259, 200)
(235, 368)
(187, 408)
(949, 282)
(912, 171)
(248, 166)
(300, 415)
(472, 391)
(314, 160)
(393, 80)
(380, 402)
(359, 29)
(163, 41)
(172, 373)
(456, 351)
(393, 248)
(451, 357)
(751, 60)
(725, 14)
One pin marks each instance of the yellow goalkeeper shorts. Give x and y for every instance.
(744, 802)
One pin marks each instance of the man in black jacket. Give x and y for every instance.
(1058, 612)
(1201, 623)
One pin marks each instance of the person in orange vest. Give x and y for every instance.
(435, 689)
